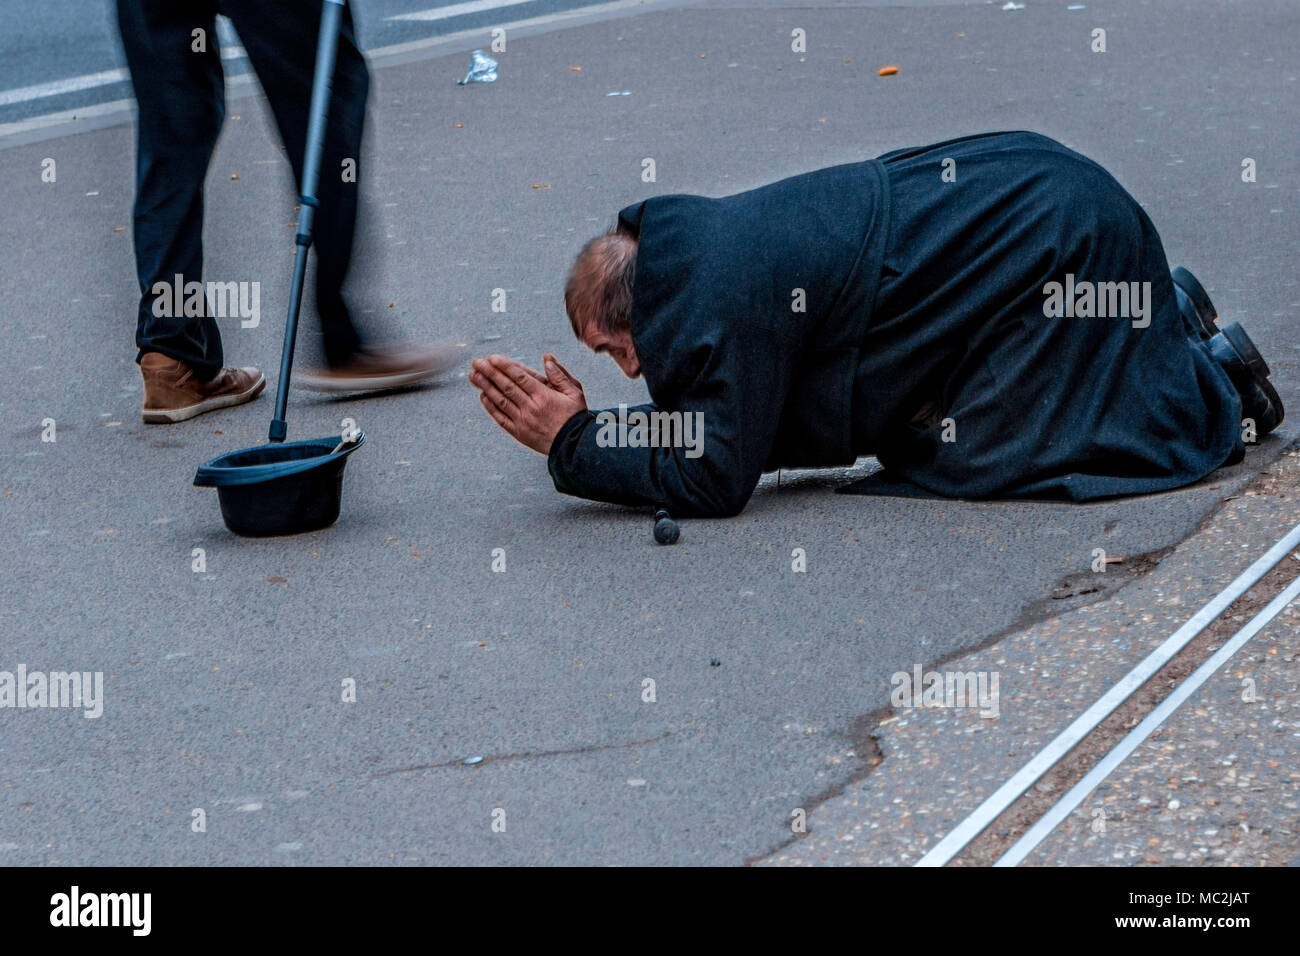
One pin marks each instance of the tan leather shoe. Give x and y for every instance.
(171, 393)
(375, 369)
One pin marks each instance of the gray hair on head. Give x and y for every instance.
(598, 292)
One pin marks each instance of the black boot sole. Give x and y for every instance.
(1272, 414)
(1200, 299)
(1235, 334)
(1249, 373)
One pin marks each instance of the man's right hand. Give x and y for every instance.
(561, 379)
(528, 406)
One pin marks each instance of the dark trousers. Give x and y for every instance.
(181, 95)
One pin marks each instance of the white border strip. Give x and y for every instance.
(457, 10)
(1065, 806)
(1045, 759)
(58, 87)
(88, 81)
(476, 34)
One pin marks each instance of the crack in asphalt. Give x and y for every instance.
(526, 755)
(862, 734)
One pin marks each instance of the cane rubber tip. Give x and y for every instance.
(666, 530)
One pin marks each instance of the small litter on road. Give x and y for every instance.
(1012, 5)
(470, 761)
(619, 93)
(888, 70)
(482, 69)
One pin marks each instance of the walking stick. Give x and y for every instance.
(326, 47)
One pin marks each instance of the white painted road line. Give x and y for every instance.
(48, 125)
(457, 10)
(54, 88)
(1049, 756)
(1065, 806)
(467, 39)
(88, 81)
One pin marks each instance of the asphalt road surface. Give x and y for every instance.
(224, 686)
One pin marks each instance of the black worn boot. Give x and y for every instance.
(1232, 349)
(1237, 355)
(1194, 302)
(1199, 313)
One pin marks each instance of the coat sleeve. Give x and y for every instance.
(737, 383)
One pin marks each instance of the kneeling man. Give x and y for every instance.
(991, 317)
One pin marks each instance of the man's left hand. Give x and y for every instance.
(529, 406)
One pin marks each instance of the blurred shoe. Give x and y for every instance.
(172, 394)
(372, 369)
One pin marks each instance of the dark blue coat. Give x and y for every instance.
(922, 337)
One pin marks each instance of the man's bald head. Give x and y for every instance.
(598, 293)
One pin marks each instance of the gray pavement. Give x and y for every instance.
(222, 688)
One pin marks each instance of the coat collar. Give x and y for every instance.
(630, 216)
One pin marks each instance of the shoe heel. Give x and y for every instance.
(1192, 288)
(1236, 354)
(1244, 347)
(1192, 323)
